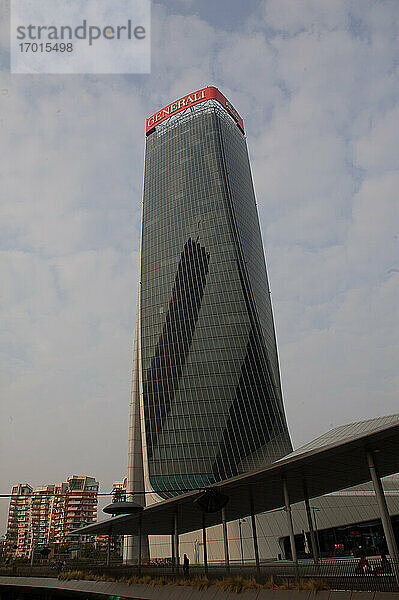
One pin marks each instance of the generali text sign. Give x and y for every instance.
(208, 93)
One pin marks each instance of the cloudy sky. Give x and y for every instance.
(317, 85)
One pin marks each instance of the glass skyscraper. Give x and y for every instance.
(206, 394)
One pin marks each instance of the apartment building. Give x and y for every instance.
(46, 515)
(101, 541)
(18, 525)
(119, 491)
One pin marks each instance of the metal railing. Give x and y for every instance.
(338, 574)
(352, 574)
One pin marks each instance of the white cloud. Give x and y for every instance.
(293, 17)
(345, 372)
(376, 151)
(373, 242)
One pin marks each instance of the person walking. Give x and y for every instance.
(186, 565)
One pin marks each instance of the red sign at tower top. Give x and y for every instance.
(208, 93)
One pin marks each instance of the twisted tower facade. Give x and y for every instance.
(206, 394)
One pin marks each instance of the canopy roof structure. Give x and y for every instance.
(334, 461)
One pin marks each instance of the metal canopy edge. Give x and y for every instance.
(333, 467)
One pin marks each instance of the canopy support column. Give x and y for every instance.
(254, 532)
(109, 548)
(310, 524)
(139, 558)
(289, 521)
(172, 544)
(204, 544)
(225, 542)
(384, 514)
(176, 536)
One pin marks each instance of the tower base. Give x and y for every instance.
(131, 549)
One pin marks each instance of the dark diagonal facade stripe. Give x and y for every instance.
(163, 376)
